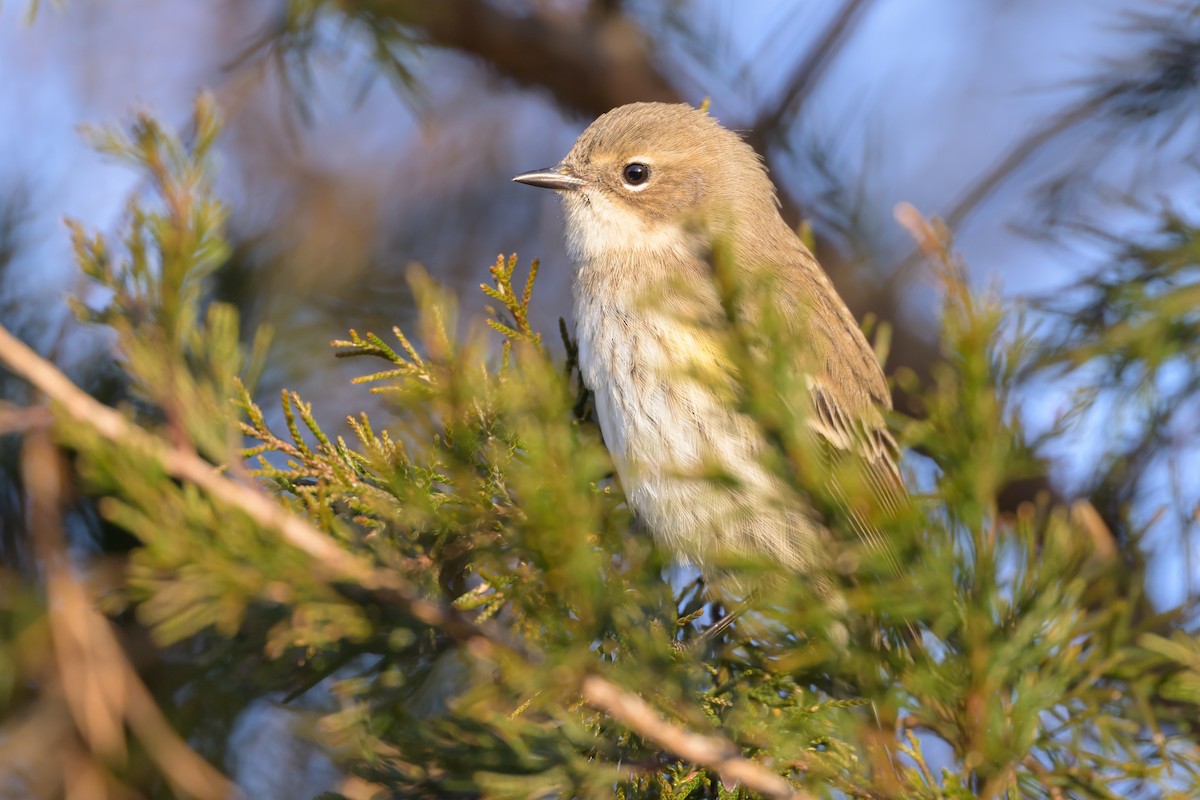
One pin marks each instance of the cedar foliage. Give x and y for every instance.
(488, 490)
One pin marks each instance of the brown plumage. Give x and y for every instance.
(650, 190)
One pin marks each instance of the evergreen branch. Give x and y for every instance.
(413, 355)
(310, 422)
(409, 365)
(504, 330)
(377, 377)
(329, 558)
(516, 327)
(529, 279)
(492, 292)
(371, 346)
(352, 576)
(289, 416)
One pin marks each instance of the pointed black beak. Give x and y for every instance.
(559, 178)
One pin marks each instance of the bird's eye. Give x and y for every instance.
(636, 174)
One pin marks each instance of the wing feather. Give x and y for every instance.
(872, 447)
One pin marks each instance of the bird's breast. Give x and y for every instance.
(664, 399)
(655, 382)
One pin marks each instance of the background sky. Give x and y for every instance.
(340, 180)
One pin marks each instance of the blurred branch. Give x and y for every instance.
(14, 418)
(1145, 87)
(590, 63)
(987, 183)
(808, 71)
(100, 686)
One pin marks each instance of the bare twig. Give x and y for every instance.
(712, 752)
(100, 686)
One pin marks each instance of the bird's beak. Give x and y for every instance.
(559, 178)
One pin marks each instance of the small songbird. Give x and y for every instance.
(652, 192)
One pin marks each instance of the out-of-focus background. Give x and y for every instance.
(1037, 130)
(1047, 135)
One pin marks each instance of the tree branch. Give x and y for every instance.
(712, 752)
(590, 62)
(330, 559)
(101, 688)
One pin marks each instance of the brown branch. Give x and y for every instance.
(15, 418)
(711, 752)
(588, 62)
(101, 688)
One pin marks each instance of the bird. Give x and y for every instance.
(655, 194)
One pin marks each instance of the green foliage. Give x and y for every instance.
(1130, 336)
(488, 490)
(183, 356)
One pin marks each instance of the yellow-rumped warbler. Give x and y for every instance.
(650, 190)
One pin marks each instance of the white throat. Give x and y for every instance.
(599, 227)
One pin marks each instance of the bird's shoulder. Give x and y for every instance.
(832, 348)
(847, 393)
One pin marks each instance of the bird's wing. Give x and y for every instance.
(848, 395)
(866, 441)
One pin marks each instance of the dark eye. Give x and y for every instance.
(636, 174)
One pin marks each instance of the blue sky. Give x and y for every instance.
(926, 95)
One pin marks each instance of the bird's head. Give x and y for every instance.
(649, 176)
